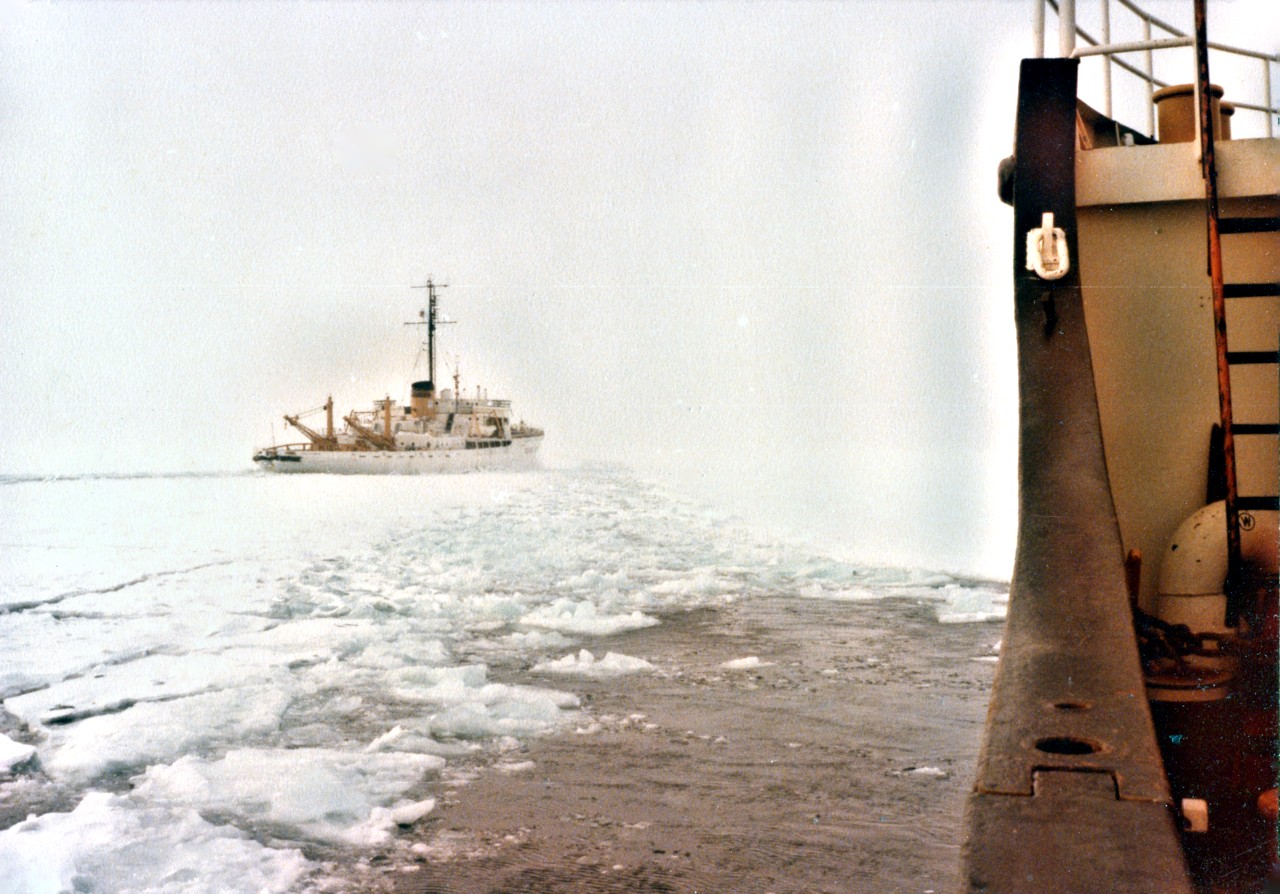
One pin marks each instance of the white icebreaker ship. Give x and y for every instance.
(436, 432)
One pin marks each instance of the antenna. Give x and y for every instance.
(427, 317)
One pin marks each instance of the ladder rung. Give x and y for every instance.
(1257, 504)
(1250, 357)
(1255, 428)
(1251, 290)
(1249, 225)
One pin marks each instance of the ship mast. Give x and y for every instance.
(429, 319)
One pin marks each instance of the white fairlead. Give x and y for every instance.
(1047, 249)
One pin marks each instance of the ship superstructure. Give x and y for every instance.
(437, 431)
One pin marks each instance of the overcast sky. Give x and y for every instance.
(753, 247)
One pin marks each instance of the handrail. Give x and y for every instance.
(1069, 30)
(1165, 26)
(1143, 14)
(1132, 47)
(276, 449)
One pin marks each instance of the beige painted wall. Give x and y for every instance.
(1143, 263)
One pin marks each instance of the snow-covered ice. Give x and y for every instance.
(223, 677)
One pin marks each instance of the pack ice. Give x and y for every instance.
(241, 682)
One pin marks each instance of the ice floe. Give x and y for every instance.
(315, 793)
(930, 772)
(154, 732)
(587, 665)
(112, 843)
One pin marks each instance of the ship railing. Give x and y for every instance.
(1069, 31)
(277, 449)
(472, 403)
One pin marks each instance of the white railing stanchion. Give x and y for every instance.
(1106, 62)
(1151, 87)
(1039, 28)
(1068, 32)
(1271, 113)
(1066, 27)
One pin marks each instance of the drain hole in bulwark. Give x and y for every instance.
(1067, 745)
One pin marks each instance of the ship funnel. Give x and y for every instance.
(422, 400)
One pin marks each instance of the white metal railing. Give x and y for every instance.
(1068, 31)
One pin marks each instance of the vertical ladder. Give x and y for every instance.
(1254, 495)
(1257, 495)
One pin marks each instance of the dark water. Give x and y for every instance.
(839, 764)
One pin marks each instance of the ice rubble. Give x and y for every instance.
(584, 618)
(267, 664)
(586, 664)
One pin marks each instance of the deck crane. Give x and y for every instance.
(373, 438)
(326, 441)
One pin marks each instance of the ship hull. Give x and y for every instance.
(521, 453)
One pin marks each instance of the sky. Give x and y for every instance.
(754, 249)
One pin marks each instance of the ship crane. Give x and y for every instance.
(320, 442)
(378, 441)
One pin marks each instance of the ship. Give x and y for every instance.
(1131, 737)
(436, 432)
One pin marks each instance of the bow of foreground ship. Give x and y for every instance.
(1131, 737)
(436, 432)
